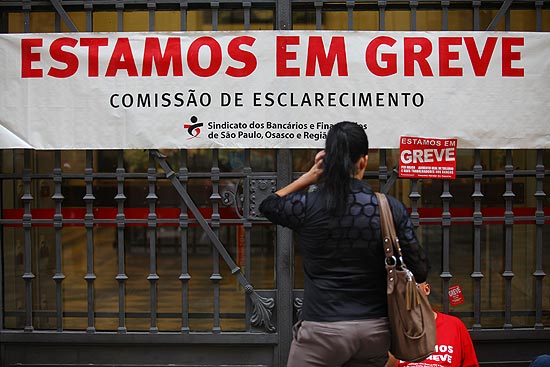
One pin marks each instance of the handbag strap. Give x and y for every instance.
(390, 241)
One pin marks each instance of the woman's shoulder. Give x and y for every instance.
(395, 203)
(362, 185)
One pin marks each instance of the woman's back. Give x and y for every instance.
(343, 259)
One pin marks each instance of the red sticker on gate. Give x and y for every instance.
(455, 295)
(427, 157)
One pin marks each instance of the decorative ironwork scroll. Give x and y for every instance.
(298, 306)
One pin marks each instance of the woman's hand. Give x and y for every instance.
(315, 172)
(309, 178)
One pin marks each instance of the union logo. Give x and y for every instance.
(194, 128)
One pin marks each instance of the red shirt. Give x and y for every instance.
(454, 347)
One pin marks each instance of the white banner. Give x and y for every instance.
(272, 89)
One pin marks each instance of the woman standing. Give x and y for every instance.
(338, 225)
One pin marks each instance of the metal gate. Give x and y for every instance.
(28, 338)
(36, 334)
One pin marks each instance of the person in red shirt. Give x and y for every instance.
(454, 347)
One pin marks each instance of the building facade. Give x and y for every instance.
(160, 258)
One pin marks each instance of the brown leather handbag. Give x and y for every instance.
(412, 323)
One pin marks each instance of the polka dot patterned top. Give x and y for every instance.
(343, 259)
